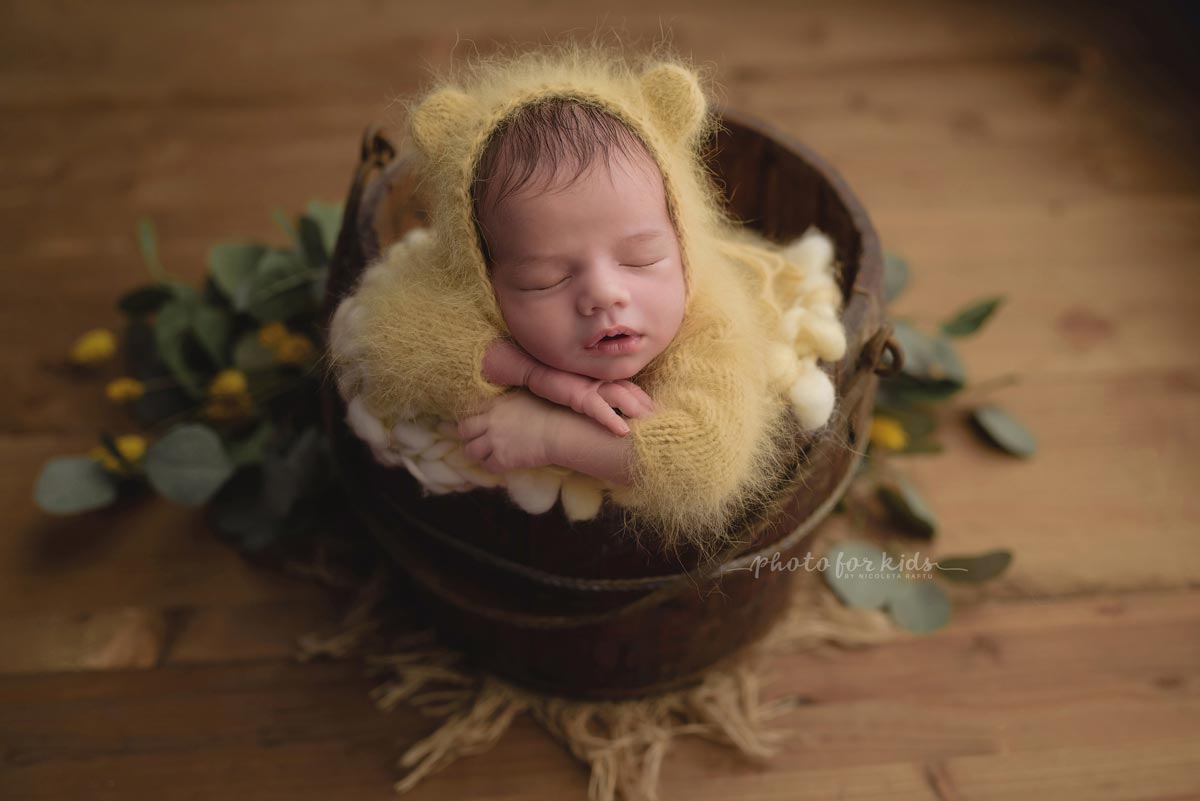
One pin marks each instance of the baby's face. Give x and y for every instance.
(570, 265)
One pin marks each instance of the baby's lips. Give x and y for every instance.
(448, 429)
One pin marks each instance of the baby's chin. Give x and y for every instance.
(613, 372)
(605, 368)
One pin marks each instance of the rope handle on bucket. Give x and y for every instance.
(423, 574)
(710, 571)
(871, 354)
(883, 342)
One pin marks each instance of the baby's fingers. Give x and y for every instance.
(640, 394)
(471, 427)
(598, 409)
(478, 449)
(616, 394)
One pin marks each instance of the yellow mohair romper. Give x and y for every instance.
(731, 390)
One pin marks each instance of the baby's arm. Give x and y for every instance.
(520, 431)
(507, 364)
(408, 346)
(581, 445)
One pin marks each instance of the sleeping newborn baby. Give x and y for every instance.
(588, 274)
(581, 321)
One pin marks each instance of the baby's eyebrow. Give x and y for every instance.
(650, 234)
(525, 261)
(534, 258)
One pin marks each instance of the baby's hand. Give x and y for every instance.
(516, 431)
(592, 397)
(509, 365)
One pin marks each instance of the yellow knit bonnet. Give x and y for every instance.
(659, 99)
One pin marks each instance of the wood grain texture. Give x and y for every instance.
(1045, 154)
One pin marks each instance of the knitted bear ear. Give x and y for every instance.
(675, 99)
(439, 117)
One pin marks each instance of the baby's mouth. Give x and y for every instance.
(619, 344)
(617, 334)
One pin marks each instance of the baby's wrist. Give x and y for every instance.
(579, 443)
(532, 372)
(507, 364)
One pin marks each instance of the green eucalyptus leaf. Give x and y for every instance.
(328, 217)
(233, 264)
(921, 606)
(188, 465)
(252, 450)
(280, 289)
(139, 349)
(182, 291)
(239, 513)
(286, 478)
(932, 368)
(285, 224)
(895, 276)
(250, 355)
(144, 300)
(857, 574)
(170, 329)
(141, 354)
(1004, 431)
(212, 327)
(975, 569)
(902, 390)
(70, 485)
(260, 504)
(311, 245)
(917, 347)
(946, 364)
(319, 285)
(162, 404)
(908, 508)
(148, 245)
(971, 319)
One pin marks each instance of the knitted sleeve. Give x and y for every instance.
(716, 444)
(407, 346)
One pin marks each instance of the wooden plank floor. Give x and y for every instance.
(1049, 155)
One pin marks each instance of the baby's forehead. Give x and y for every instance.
(536, 174)
(513, 190)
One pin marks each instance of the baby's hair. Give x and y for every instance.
(536, 141)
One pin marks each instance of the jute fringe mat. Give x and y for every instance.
(622, 742)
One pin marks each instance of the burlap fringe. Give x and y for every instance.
(622, 742)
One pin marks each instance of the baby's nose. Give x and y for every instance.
(602, 292)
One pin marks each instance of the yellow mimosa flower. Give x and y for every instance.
(131, 446)
(123, 390)
(230, 407)
(296, 349)
(228, 384)
(272, 335)
(97, 345)
(886, 432)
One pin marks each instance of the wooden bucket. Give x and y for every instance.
(577, 609)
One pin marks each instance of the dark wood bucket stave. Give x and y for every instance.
(578, 609)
